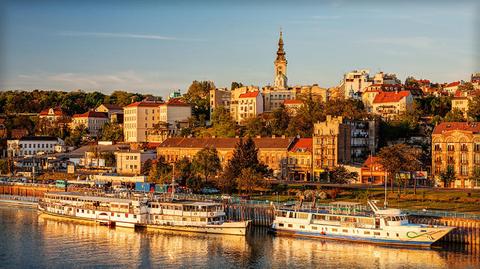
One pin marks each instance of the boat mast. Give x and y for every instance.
(173, 181)
(385, 201)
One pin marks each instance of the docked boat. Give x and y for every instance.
(193, 216)
(356, 222)
(109, 211)
(142, 211)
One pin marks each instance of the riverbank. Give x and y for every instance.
(19, 200)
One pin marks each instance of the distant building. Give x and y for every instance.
(389, 105)
(92, 120)
(18, 133)
(3, 128)
(475, 80)
(331, 144)
(316, 92)
(452, 87)
(272, 151)
(131, 162)
(300, 165)
(372, 171)
(293, 106)
(250, 105)
(114, 112)
(456, 144)
(356, 82)
(364, 139)
(52, 114)
(34, 145)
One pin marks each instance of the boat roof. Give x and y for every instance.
(192, 203)
(345, 203)
(91, 197)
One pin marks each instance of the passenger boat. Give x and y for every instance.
(103, 210)
(142, 211)
(193, 216)
(355, 222)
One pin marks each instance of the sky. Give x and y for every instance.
(157, 47)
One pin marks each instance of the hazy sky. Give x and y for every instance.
(158, 46)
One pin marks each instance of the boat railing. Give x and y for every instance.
(358, 210)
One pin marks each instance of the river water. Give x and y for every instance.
(29, 240)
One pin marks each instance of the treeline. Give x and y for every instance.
(71, 102)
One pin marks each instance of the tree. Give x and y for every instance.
(279, 121)
(222, 123)
(112, 132)
(184, 169)
(4, 169)
(160, 172)
(147, 166)
(455, 115)
(340, 175)
(448, 176)
(206, 163)
(411, 82)
(474, 108)
(255, 126)
(475, 177)
(235, 85)
(109, 158)
(397, 158)
(198, 96)
(466, 87)
(77, 136)
(249, 180)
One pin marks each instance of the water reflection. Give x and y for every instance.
(44, 241)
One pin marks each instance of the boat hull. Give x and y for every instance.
(350, 238)
(231, 228)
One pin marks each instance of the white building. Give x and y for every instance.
(250, 105)
(355, 82)
(34, 145)
(131, 162)
(389, 105)
(92, 120)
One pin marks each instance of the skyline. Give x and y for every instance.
(157, 48)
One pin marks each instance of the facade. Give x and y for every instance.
(389, 105)
(293, 106)
(280, 64)
(250, 105)
(219, 97)
(131, 162)
(364, 136)
(475, 80)
(456, 144)
(174, 112)
(331, 144)
(316, 92)
(372, 172)
(272, 151)
(356, 82)
(114, 112)
(300, 165)
(92, 120)
(139, 117)
(34, 145)
(52, 114)
(452, 87)
(273, 98)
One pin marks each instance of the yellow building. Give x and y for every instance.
(300, 165)
(456, 144)
(272, 151)
(131, 162)
(92, 120)
(331, 144)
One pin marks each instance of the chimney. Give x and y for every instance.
(283, 136)
(273, 136)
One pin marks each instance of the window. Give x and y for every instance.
(314, 228)
(334, 230)
(302, 226)
(450, 147)
(290, 225)
(345, 230)
(464, 170)
(366, 232)
(376, 233)
(280, 225)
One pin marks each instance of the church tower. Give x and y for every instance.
(280, 66)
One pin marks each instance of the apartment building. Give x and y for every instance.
(34, 145)
(355, 82)
(92, 120)
(250, 105)
(300, 165)
(331, 144)
(130, 162)
(114, 112)
(292, 106)
(52, 114)
(389, 105)
(456, 144)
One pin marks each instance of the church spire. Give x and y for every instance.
(280, 51)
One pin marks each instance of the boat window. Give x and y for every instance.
(423, 231)
(334, 218)
(319, 217)
(280, 225)
(334, 230)
(134, 216)
(202, 219)
(376, 233)
(345, 230)
(314, 228)
(302, 226)
(366, 232)
(397, 234)
(290, 225)
(302, 215)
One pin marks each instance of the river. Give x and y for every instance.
(29, 240)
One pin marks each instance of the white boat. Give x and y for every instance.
(142, 211)
(355, 222)
(193, 216)
(104, 210)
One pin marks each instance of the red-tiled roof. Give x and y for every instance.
(303, 144)
(371, 160)
(199, 143)
(56, 111)
(473, 127)
(112, 106)
(390, 97)
(176, 102)
(292, 102)
(91, 114)
(452, 84)
(144, 104)
(249, 94)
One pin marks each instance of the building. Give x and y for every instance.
(372, 171)
(293, 106)
(250, 105)
(51, 114)
(272, 151)
(452, 87)
(280, 64)
(456, 144)
(331, 144)
(130, 162)
(114, 112)
(364, 136)
(34, 145)
(300, 165)
(316, 92)
(356, 82)
(142, 119)
(389, 105)
(461, 101)
(92, 120)
(219, 97)
(3, 128)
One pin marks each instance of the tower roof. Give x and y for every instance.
(280, 51)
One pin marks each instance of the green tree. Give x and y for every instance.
(147, 166)
(255, 126)
(222, 123)
(280, 120)
(206, 163)
(448, 176)
(474, 108)
(112, 132)
(340, 175)
(455, 115)
(109, 158)
(249, 180)
(76, 137)
(4, 169)
(411, 82)
(198, 96)
(184, 170)
(475, 177)
(160, 172)
(235, 85)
